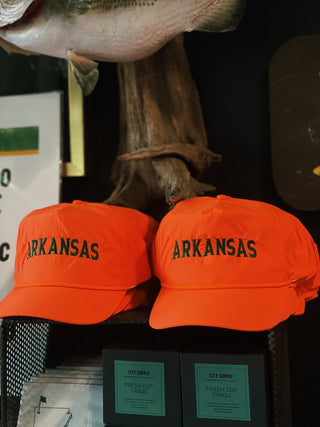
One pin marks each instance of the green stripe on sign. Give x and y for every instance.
(24, 140)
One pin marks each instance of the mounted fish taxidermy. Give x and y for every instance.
(85, 32)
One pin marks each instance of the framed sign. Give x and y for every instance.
(30, 140)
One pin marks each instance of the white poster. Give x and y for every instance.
(30, 139)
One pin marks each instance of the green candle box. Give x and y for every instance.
(224, 390)
(141, 387)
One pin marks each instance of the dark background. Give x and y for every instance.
(231, 73)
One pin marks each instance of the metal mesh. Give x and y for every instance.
(23, 355)
(25, 347)
(25, 352)
(280, 376)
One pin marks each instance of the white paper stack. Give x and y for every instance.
(67, 396)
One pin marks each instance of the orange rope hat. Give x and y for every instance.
(232, 263)
(80, 262)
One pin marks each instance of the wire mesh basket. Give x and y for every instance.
(29, 345)
(23, 350)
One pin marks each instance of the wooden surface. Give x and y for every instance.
(163, 142)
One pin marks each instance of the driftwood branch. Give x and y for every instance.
(163, 143)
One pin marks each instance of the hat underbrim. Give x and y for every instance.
(250, 309)
(69, 305)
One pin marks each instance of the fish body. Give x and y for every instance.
(86, 31)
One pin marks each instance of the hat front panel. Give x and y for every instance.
(70, 247)
(219, 246)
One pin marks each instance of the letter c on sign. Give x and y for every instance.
(3, 247)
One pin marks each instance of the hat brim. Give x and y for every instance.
(247, 310)
(69, 305)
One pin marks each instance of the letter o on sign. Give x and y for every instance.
(5, 177)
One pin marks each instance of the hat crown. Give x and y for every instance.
(224, 241)
(84, 244)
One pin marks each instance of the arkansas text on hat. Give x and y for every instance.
(232, 247)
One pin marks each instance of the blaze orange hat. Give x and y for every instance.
(232, 263)
(80, 262)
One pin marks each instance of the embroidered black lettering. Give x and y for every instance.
(251, 247)
(195, 247)
(53, 247)
(65, 245)
(74, 247)
(230, 246)
(29, 251)
(241, 249)
(94, 251)
(34, 247)
(42, 242)
(176, 251)
(84, 250)
(208, 249)
(221, 246)
(185, 248)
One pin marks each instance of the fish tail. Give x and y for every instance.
(219, 16)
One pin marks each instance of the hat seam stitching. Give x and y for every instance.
(69, 285)
(232, 286)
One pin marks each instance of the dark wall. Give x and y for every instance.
(231, 73)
